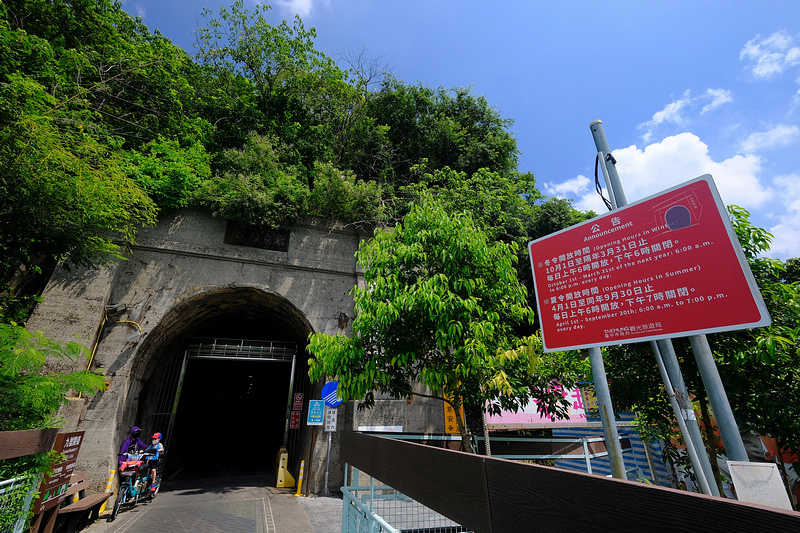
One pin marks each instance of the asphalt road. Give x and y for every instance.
(226, 505)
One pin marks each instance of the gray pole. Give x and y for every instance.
(667, 351)
(673, 400)
(728, 429)
(702, 352)
(601, 143)
(607, 413)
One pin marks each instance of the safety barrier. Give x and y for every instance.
(490, 495)
(374, 507)
(15, 500)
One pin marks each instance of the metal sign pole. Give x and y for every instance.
(705, 362)
(327, 492)
(672, 367)
(607, 413)
(728, 430)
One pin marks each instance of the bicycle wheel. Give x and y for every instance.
(157, 485)
(121, 497)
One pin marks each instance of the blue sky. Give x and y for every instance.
(683, 88)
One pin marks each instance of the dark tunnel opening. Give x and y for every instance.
(230, 419)
(231, 413)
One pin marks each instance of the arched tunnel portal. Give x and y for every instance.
(217, 376)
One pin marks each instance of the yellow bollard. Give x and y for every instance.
(285, 479)
(300, 479)
(108, 489)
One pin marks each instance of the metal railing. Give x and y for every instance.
(586, 456)
(376, 508)
(16, 496)
(241, 349)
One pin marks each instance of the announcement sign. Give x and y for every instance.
(665, 266)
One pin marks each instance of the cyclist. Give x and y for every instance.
(132, 444)
(159, 449)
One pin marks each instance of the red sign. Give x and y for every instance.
(298, 401)
(666, 266)
(52, 490)
(294, 421)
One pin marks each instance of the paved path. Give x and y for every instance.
(229, 505)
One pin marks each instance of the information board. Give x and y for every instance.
(53, 488)
(331, 419)
(316, 412)
(665, 266)
(297, 404)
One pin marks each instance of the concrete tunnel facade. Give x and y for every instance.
(189, 280)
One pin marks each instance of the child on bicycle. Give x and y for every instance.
(157, 447)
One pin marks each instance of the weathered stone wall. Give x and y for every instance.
(180, 276)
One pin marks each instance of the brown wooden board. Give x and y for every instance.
(490, 495)
(26, 442)
(527, 497)
(450, 482)
(53, 489)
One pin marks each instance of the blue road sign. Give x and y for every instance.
(316, 413)
(329, 394)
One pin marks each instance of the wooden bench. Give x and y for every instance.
(74, 516)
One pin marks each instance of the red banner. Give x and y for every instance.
(666, 266)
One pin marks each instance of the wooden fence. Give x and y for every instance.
(490, 495)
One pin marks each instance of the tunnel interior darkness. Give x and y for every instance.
(231, 414)
(230, 418)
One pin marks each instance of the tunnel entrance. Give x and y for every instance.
(231, 413)
(223, 402)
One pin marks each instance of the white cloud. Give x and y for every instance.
(674, 111)
(677, 159)
(718, 97)
(138, 8)
(300, 7)
(569, 188)
(780, 135)
(786, 243)
(770, 56)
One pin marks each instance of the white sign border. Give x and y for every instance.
(765, 319)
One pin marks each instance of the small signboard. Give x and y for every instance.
(54, 487)
(330, 394)
(294, 420)
(331, 417)
(666, 266)
(316, 413)
(450, 418)
(759, 483)
(297, 405)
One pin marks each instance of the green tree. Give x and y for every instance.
(449, 128)
(64, 195)
(339, 195)
(440, 305)
(759, 368)
(31, 396)
(301, 96)
(169, 172)
(253, 187)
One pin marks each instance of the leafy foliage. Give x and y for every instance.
(65, 195)
(30, 395)
(339, 195)
(253, 187)
(439, 308)
(760, 368)
(169, 172)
